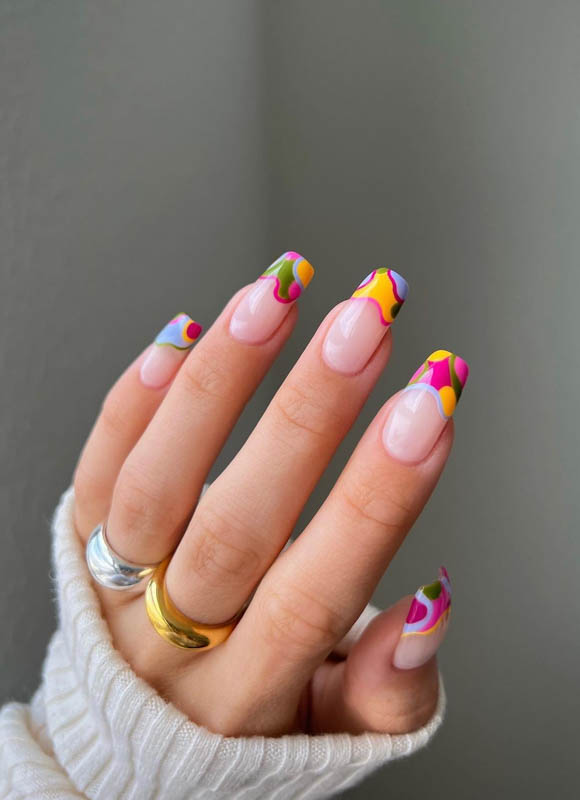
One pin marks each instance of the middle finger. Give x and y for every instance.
(249, 512)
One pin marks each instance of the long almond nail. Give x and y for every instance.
(168, 351)
(357, 331)
(262, 309)
(426, 624)
(422, 409)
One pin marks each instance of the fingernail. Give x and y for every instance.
(168, 351)
(426, 624)
(357, 331)
(422, 409)
(262, 309)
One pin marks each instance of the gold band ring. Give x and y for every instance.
(175, 627)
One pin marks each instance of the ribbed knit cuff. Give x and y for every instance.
(116, 738)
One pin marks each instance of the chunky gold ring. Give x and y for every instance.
(175, 627)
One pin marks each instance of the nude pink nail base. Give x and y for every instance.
(426, 624)
(169, 350)
(263, 308)
(423, 408)
(359, 328)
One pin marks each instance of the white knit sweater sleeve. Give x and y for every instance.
(96, 730)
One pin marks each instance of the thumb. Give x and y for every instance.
(389, 681)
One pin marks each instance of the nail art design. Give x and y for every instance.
(358, 329)
(262, 309)
(387, 290)
(418, 418)
(181, 332)
(444, 374)
(426, 624)
(430, 608)
(169, 351)
(291, 274)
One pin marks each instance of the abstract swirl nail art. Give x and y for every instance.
(363, 321)
(181, 332)
(445, 375)
(291, 274)
(169, 351)
(430, 608)
(426, 624)
(387, 290)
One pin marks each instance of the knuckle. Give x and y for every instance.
(221, 552)
(399, 710)
(137, 500)
(303, 412)
(371, 499)
(205, 377)
(414, 718)
(298, 624)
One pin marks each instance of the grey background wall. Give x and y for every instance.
(154, 156)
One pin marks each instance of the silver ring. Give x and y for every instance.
(108, 569)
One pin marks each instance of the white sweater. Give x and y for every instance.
(94, 729)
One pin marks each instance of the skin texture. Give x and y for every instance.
(140, 470)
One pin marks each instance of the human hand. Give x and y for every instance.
(143, 468)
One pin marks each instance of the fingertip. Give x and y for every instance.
(242, 323)
(260, 313)
(425, 625)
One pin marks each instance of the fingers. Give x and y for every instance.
(250, 510)
(127, 410)
(389, 682)
(162, 477)
(319, 586)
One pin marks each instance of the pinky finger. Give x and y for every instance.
(389, 681)
(127, 410)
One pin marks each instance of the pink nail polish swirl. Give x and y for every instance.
(430, 607)
(444, 374)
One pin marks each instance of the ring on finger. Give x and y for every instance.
(108, 568)
(174, 626)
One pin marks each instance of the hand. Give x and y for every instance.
(143, 468)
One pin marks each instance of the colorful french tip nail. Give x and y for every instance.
(169, 350)
(359, 327)
(422, 409)
(426, 624)
(262, 309)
